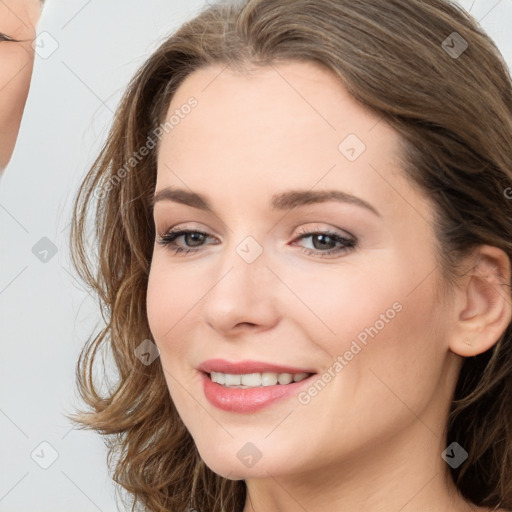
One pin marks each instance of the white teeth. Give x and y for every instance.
(218, 377)
(233, 380)
(268, 379)
(300, 376)
(285, 378)
(252, 380)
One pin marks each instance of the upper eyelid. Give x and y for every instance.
(303, 233)
(349, 243)
(12, 39)
(187, 224)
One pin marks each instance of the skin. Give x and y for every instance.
(18, 19)
(381, 419)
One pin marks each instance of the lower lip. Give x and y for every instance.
(250, 399)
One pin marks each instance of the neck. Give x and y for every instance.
(406, 473)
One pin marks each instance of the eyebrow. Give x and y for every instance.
(279, 202)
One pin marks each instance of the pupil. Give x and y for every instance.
(197, 236)
(322, 237)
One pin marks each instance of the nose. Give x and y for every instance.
(243, 293)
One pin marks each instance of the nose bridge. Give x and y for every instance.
(241, 291)
(243, 270)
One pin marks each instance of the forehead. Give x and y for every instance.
(277, 127)
(289, 99)
(296, 104)
(19, 15)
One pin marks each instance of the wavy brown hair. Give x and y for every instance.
(453, 114)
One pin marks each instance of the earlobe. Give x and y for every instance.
(485, 307)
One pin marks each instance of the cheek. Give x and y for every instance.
(15, 74)
(391, 360)
(172, 294)
(334, 304)
(381, 324)
(392, 352)
(168, 306)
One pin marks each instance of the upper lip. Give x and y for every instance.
(247, 366)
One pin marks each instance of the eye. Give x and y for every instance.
(5, 37)
(168, 240)
(194, 240)
(322, 237)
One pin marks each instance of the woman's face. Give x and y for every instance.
(358, 311)
(18, 19)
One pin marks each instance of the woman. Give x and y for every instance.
(18, 20)
(304, 263)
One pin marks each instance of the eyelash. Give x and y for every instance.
(4, 37)
(168, 239)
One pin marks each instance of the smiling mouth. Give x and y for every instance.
(249, 392)
(256, 380)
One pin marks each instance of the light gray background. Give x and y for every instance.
(45, 314)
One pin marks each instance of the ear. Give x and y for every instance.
(484, 308)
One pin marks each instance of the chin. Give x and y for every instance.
(233, 470)
(240, 461)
